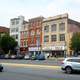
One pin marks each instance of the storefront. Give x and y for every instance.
(24, 50)
(34, 50)
(55, 50)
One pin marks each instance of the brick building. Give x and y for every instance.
(35, 35)
(24, 38)
(3, 30)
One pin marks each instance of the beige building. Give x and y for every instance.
(56, 34)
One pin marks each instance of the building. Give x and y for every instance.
(16, 25)
(3, 30)
(56, 34)
(35, 35)
(24, 38)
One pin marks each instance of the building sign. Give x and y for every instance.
(34, 49)
(59, 47)
(54, 48)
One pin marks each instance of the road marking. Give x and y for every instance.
(31, 65)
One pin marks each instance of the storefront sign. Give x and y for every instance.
(34, 49)
(54, 48)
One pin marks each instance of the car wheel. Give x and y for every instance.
(1, 70)
(68, 70)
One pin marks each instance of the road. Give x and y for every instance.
(35, 73)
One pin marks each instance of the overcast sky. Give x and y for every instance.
(33, 8)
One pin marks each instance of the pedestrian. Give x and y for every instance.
(55, 55)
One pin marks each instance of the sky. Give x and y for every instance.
(33, 8)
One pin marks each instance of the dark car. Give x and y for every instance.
(1, 68)
(41, 57)
(33, 57)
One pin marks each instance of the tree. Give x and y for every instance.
(7, 43)
(75, 42)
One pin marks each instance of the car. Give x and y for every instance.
(1, 68)
(19, 57)
(13, 56)
(71, 64)
(41, 57)
(26, 57)
(33, 57)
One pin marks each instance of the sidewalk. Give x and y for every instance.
(58, 58)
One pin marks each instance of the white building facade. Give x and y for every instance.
(16, 25)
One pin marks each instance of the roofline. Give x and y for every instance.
(70, 21)
(62, 16)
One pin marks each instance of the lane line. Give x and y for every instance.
(30, 65)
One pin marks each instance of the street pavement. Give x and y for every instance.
(22, 71)
(35, 73)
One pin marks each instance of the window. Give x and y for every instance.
(38, 32)
(25, 43)
(46, 38)
(53, 38)
(62, 37)
(62, 27)
(38, 41)
(74, 60)
(32, 40)
(46, 28)
(13, 22)
(32, 32)
(53, 27)
(25, 34)
(13, 30)
(16, 29)
(17, 21)
(16, 36)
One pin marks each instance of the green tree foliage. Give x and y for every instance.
(75, 42)
(7, 43)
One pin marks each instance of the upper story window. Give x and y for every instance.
(16, 29)
(17, 21)
(46, 38)
(13, 30)
(46, 28)
(62, 37)
(38, 32)
(53, 27)
(16, 36)
(13, 22)
(53, 38)
(38, 41)
(62, 27)
(32, 32)
(25, 34)
(25, 43)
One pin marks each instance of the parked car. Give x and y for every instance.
(1, 68)
(13, 56)
(71, 64)
(20, 57)
(33, 57)
(2, 56)
(7, 56)
(26, 57)
(41, 57)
